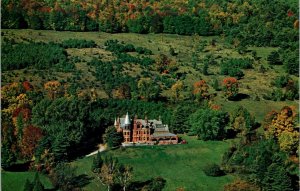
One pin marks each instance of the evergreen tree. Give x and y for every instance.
(112, 137)
(180, 118)
(64, 177)
(276, 179)
(216, 85)
(97, 163)
(274, 58)
(28, 186)
(205, 68)
(20, 126)
(37, 185)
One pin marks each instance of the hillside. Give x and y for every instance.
(189, 61)
(210, 90)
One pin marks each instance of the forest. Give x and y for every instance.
(217, 72)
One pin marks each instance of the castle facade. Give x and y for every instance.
(144, 131)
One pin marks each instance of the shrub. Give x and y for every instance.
(281, 81)
(274, 58)
(213, 170)
(78, 43)
(241, 185)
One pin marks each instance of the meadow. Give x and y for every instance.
(15, 181)
(180, 165)
(254, 84)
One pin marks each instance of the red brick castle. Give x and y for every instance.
(144, 131)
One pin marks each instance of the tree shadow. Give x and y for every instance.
(231, 134)
(21, 167)
(82, 180)
(138, 185)
(157, 183)
(239, 97)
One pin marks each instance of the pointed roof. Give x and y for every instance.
(127, 120)
(115, 124)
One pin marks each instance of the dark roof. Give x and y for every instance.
(165, 134)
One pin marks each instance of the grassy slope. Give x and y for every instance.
(253, 84)
(180, 165)
(15, 181)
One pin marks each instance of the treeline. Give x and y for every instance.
(37, 55)
(40, 55)
(261, 23)
(116, 47)
(78, 43)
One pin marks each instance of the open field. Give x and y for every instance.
(14, 181)
(179, 165)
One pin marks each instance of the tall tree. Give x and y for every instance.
(97, 163)
(276, 178)
(209, 124)
(108, 172)
(148, 89)
(201, 90)
(112, 137)
(31, 137)
(124, 176)
(176, 89)
(64, 177)
(230, 87)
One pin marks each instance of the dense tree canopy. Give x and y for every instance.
(253, 22)
(209, 124)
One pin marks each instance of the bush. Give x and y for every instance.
(281, 81)
(232, 67)
(213, 170)
(78, 43)
(142, 50)
(274, 58)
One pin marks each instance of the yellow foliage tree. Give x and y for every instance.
(54, 89)
(283, 128)
(176, 90)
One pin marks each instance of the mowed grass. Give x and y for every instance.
(15, 181)
(180, 165)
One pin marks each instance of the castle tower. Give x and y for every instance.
(127, 131)
(135, 122)
(115, 123)
(127, 121)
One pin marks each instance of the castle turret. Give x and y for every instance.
(115, 123)
(127, 121)
(135, 122)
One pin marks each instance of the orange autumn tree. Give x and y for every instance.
(230, 87)
(27, 86)
(282, 127)
(31, 136)
(54, 89)
(241, 185)
(201, 90)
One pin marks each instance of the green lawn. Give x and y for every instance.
(14, 181)
(179, 165)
